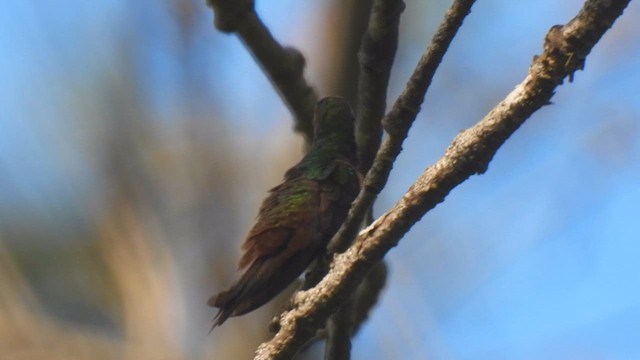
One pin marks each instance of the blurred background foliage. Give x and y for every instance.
(136, 144)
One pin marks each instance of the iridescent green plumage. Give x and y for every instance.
(299, 216)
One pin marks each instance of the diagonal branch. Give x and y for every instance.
(471, 151)
(283, 65)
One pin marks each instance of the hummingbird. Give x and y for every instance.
(300, 216)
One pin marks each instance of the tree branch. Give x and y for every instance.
(338, 346)
(367, 294)
(471, 151)
(283, 65)
(377, 50)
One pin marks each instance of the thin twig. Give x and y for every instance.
(338, 346)
(283, 65)
(471, 151)
(366, 297)
(377, 50)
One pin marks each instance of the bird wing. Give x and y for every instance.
(294, 221)
(287, 222)
(278, 248)
(337, 192)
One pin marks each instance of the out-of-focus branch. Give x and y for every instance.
(338, 346)
(294, 332)
(283, 65)
(376, 54)
(367, 295)
(565, 49)
(341, 44)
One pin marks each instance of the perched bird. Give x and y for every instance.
(299, 217)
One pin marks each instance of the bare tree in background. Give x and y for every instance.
(380, 134)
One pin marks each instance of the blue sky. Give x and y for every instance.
(537, 258)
